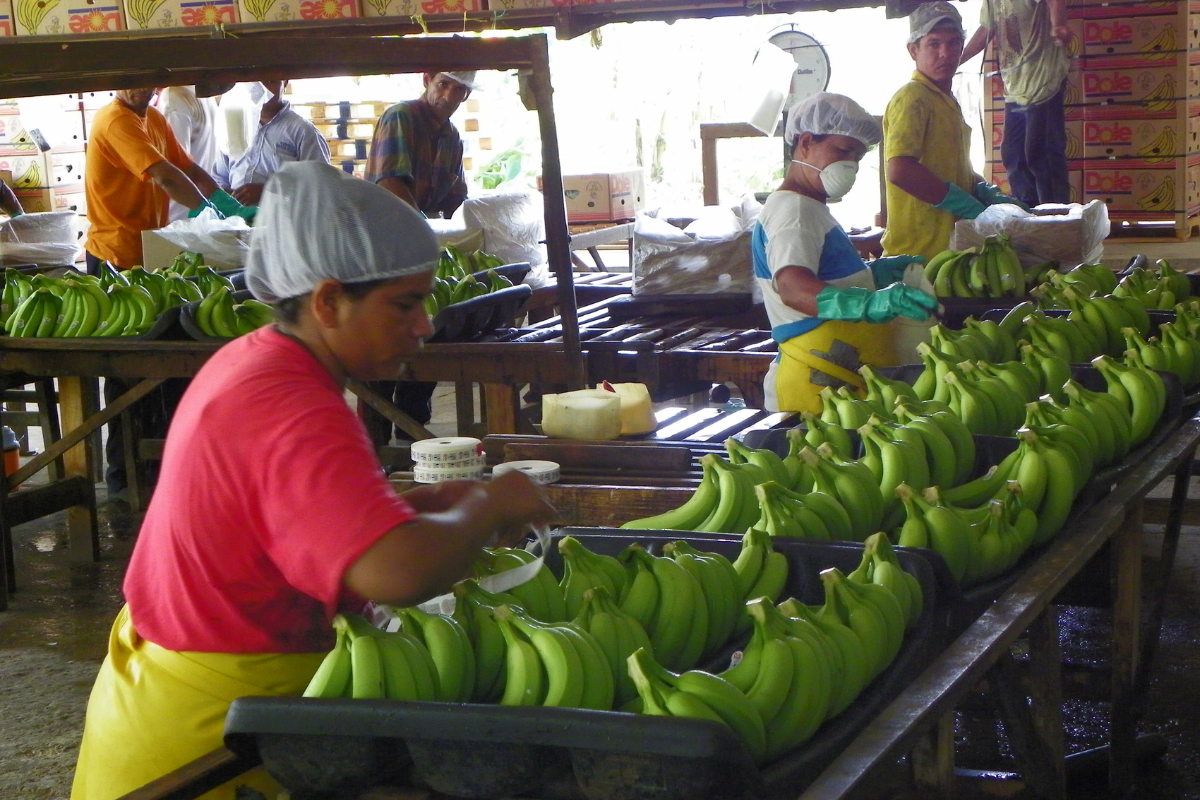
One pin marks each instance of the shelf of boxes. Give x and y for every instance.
(1133, 114)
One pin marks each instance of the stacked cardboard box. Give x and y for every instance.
(1132, 109)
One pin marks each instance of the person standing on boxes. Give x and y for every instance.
(927, 143)
(1031, 39)
(417, 155)
(135, 165)
(827, 308)
(283, 137)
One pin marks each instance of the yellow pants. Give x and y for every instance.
(153, 710)
(828, 355)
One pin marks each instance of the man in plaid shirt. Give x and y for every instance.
(416, 153)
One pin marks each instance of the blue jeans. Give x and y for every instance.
(1035, 151)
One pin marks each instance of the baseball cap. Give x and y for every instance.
(466, 78)
(928, 16)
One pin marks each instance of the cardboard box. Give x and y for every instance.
(94, 101)
(1074, 131)
(1099, 9)
(158, 253)
(412, 8)
(285, 10)
(35, 201)
(604, 197)
(1136, 191)
(1151, 37)
(74, 16)
(148, 14)
(1192, 193)
(12, 130)
(507, 5)
(1149, 143)
(356, 148)
(7, 24)
(29, 170)
(66, 170)
(994, 173)
(1193, 135)
(69, 200)
(1158, 88)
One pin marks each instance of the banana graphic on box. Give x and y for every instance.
(32, 178)
(1162, 198)
(143, 10)
(1161, 46)
(259, 8)
(1162, 99)
(30, 13)
(1163, 148)
(1074, 147)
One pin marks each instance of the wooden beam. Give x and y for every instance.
(394, 415)
(35, 67)
(79, 433)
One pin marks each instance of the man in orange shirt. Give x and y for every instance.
(134, 166)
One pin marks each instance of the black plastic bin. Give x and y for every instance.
(471, 750)
(469, 319)
(187, 318)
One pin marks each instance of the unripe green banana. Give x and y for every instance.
(332, 678)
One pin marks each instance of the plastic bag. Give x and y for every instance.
(514, 227)
(222, 241)
(49, 239)
(668, 261)
(907, 333)
(1069, 234)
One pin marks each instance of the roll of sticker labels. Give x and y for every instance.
(449, 458)
(541, 472)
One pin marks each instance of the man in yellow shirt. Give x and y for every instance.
(930, 183)
(134, 166)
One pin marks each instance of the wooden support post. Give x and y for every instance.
(81, 521)
(464, 407)
(1034, 723)
(1127, 618)
(932, 758)
(129, 442)
(47, 402)
(503, 405)
(1162, 578)
(708, 171)
(394, 415)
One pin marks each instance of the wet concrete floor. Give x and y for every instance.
(54, 636)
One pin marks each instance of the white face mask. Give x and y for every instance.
(837, 179)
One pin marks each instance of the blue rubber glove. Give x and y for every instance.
(889, 269)
(959, 203)
(990, 195)
(853, 304)
(195, 212)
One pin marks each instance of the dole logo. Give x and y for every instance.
(1107, 133)
(1114, 83)
(1097, 31)
(1104, 183)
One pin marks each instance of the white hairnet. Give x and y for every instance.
(826, 114)
(316, 222)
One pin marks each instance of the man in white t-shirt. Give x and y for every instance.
(191, 111)
(824, 303)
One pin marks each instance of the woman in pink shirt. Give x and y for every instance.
(272, 511)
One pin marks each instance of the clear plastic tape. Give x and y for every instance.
(500, 582)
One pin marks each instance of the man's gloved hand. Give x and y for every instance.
(245, 212)
(195, 212)
(959, 203)
(883, 305)
(889, 269)
(225, 203)
(990, 195)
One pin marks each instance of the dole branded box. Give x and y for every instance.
(29, 170)
(1192, 193)
(66, 169)
(412, 8)
(148, 14)
(1151, 143)
(12, 130)
(508, 5)
(73, 200)
(1151, 37)
(42, 17)
(285, 10)
(1097, 9)
(35, 201)
(1074, 133)
(6, 19)
(1143, 192)
(604, 197)
(1133, 93)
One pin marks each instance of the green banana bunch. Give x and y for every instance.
(1053, 504)
(842, 408)
(894, 460)
(1052, 371)
(17, 286)
(1186, 349)
(1062, 337)
(1140, 390)
(678, 624)
(816, 432)
(552, 664)
(943, 530)
(948, 271)
(883, 392)
(186, 263)
(450, 649)
(1112, 422)
(880, 565)
(931, 384)
(368, 664)
(689, 516)
(964, 345)
(583, 570)
(617, 634)
(1021, 380)
(770, 464)
(941, 430)
(850, 483)
(842, 647)
(778, 521)
(736, 507)
(718, 582)
(697, 695)
(871, 611)
(973, 406)
(542, 598)
(473, 611)
(1178, 282)
(1008, 403)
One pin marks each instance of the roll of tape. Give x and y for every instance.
(423, 475)
(542, 472)
(447, 451)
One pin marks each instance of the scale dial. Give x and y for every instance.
(812, 62)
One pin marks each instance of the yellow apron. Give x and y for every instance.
(153, 710)
(828, 355)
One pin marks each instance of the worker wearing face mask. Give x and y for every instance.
(826, 306)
